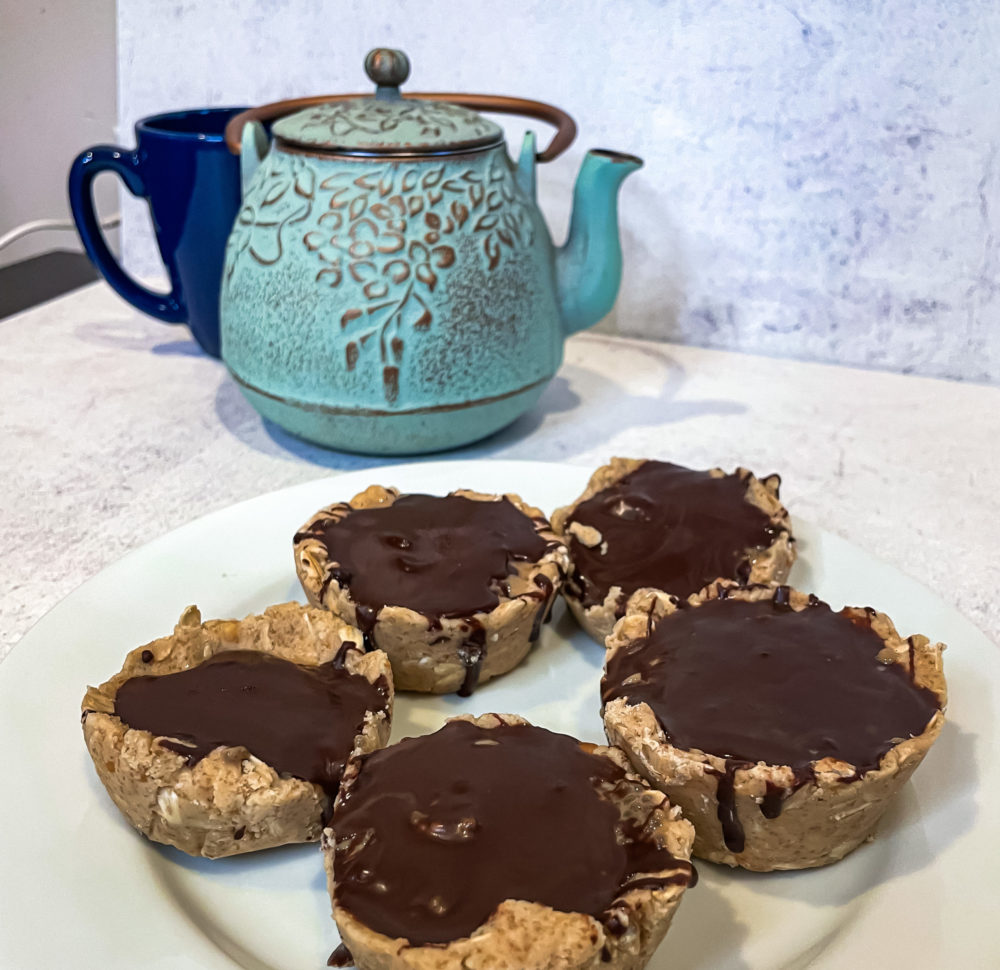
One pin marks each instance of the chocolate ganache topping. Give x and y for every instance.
(300, 720)
(437, 556)
(666, 527)
(442, 557)
(751, 682)
(435, 832)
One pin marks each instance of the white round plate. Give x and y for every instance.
(79, 888)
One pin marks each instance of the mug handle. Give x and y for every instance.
(126, 165)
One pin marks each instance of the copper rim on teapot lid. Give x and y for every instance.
(384, 66)
(386, 123)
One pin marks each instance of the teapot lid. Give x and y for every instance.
(388, 124)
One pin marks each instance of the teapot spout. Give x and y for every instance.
(589, 265)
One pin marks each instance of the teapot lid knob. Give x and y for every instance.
(388, 68)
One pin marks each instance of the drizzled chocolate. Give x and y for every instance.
(753, 682)
(300, 720)
(667, 527)
(437, 556)
(341, 957)
(546, 593)
(437, 831)
(472, 653)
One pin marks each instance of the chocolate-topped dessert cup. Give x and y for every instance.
(643, 524)
(232, 735)
(454, 589)
(781, 728)
(495, 844)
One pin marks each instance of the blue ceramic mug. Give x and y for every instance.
(191, 180)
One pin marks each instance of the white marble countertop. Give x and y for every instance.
(115, 429)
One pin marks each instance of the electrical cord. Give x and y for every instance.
(41, 225)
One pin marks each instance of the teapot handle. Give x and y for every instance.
(497, 104)
(502, 105)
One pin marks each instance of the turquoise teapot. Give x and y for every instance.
(390, 286)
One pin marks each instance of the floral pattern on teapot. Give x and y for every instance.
(388, 230)
(426, 119)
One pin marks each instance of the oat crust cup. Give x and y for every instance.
(782, 729)
(180, 788)
(652, 524)
(454, 589)
(486, 866)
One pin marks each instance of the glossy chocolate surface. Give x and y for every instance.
(300, 720)
(669, 528)
(437, 556)
(437, 831)
(753, 682)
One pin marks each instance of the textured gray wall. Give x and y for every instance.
(821, 178)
